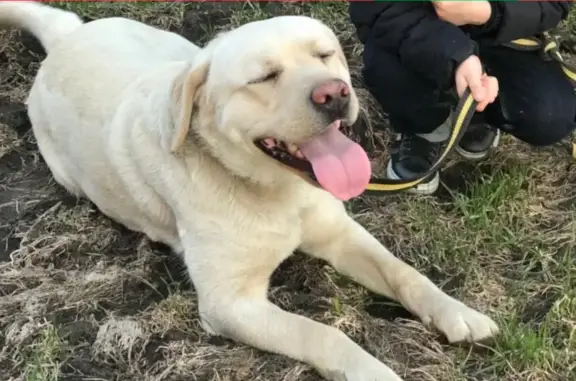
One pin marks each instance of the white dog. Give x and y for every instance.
(232, 155)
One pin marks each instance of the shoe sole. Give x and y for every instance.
(478, 155)
(426, 188)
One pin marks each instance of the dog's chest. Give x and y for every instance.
(277, 231)
(283, 230)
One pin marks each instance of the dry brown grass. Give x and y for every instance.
(81, 298)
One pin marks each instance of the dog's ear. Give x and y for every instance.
(185, 93)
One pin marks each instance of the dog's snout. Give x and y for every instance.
(331, 98)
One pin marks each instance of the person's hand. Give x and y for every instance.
(484, 88)
(463, 12)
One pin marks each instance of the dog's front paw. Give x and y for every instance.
(459, 322)
(365, 368)
(364, 375)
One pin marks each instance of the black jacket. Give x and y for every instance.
(434, 48)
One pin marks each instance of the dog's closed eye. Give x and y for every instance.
(268, 77)
(325, 55)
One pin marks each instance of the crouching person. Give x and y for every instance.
(416, 54)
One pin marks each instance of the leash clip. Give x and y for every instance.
(549, 47)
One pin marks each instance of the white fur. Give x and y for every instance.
(111, 107)
(46, 23)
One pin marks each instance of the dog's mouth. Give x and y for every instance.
(288, 154)
(329, 160)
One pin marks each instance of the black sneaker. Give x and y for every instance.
(477, 141)
(412, 157)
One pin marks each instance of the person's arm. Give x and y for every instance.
(425, 44)
(512, 20)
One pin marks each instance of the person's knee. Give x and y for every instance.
(540, 129)
(546, 131)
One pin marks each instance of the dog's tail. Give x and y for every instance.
(47, 24)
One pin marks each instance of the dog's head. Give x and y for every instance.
(276, 94)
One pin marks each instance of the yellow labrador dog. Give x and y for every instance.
(232, 155)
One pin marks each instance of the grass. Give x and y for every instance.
(82, 298)
(42, 364)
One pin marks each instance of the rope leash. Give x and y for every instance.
(550, 50)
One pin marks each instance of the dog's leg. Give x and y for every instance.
(334, 236)
(232, 302)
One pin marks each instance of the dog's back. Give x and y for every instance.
(100, 56)
(97, 78)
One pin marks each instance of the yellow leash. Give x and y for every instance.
(464, 112)
(550, 49)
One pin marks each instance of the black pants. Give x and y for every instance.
(536, 102)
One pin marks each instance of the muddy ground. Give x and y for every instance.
(82, 298)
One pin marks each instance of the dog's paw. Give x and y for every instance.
(364, 375)
(459, 322)
(366, 368)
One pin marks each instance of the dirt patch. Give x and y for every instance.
(199, 25)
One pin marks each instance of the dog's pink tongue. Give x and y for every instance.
(341, 166)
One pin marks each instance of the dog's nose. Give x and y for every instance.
(331, 98)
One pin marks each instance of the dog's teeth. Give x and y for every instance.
(293, 149)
